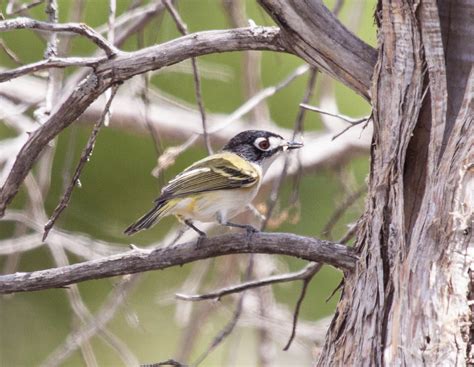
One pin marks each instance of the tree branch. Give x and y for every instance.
(313, 33)
(52, 62)
(78, 28)
(274, 279)
(140, 260)
(122, 67)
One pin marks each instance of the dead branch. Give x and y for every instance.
(324, 43)
(140, 260)
(345, 118)
(52, 62)
(183, 29)
(312, 270)
(95, 324)
(275, 279)
(85, 156)
(22, 8)
(78, 28)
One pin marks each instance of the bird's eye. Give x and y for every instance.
(262, 144)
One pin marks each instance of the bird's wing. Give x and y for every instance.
(222, 171)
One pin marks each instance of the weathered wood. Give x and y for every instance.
(313, 33)
(140, 260)
(406, 303)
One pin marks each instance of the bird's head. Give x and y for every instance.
(259, 146)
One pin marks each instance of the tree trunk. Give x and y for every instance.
(408, 301)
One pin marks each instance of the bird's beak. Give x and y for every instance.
(293, 145)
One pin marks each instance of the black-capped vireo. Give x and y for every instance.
(218, 187)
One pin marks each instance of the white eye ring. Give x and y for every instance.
(262, 144)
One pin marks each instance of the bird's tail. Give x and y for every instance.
(150, 218)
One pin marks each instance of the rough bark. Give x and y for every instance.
(407, 302)
(339, 52)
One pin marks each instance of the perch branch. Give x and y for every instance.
(140, 260)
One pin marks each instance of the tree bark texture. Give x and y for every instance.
(407, 303)
(313, 33)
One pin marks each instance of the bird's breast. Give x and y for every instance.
(204, 207)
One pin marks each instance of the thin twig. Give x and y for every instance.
(133, 21)
(110, 39)
(144, 95)
(113, 302)
(353, 122)
(52, 62)
(78, 28)
(24, 7)
(341, 209)
(85, 156)
(314, 270)
(183, 29)
(350, 127)
(229, 327)
(218, 294)
(350, 232)
(169, 362)
(298, 126)
(251, 62)
(348, 119)
(191, 317)
(10, 53)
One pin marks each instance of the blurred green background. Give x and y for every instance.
(117, 187)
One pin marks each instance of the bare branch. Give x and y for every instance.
(168, 362)
(95, 324)
(229, 327)
(52, 62)
(86, 154)
(125, 66)
(183, 29)
(24, 7)
(348, 119)
(341, 209)
(10, 53)
(313, 269)
(139, 260)
(313, 32)
(133, 21)
(78, 28)
(224, 333)
(218, 294)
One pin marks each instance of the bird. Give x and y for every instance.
(220, 186)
